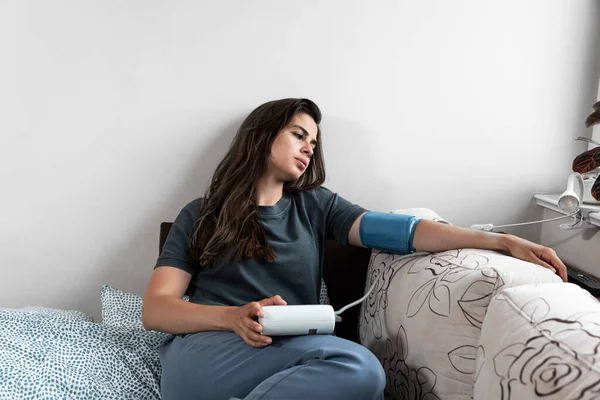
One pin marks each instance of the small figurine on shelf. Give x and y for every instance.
(588, 162)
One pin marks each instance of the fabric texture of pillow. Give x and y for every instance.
(49, 313)
(56, 357)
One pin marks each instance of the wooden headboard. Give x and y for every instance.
(344, 272)
(165, 227)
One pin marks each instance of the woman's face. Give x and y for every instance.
(292, 148)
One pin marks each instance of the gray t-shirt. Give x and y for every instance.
(296, 226)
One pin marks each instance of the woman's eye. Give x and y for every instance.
(298, 136)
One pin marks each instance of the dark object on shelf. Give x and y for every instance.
(584, 280)
(590, 160)
(587, 161)
(594, 118)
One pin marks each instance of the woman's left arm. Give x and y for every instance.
(434, 237)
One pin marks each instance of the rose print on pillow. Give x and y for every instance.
(403, 382)
(549, 364)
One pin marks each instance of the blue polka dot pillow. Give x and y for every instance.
(50, 313)
(121, 308)
(324, 295)
(62, 354)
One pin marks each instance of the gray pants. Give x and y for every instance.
(220, 365)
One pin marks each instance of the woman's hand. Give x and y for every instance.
(243, 324)
(537, 254)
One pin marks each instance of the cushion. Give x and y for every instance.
(540, 341)
(56, 357)
(324, 295)
(121, 308)
(423, 319)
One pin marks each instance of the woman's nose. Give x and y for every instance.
(308, 150)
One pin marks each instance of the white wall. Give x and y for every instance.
(114, 115)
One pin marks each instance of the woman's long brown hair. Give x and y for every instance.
(228, 224)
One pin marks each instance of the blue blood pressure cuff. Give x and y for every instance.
(393, 233)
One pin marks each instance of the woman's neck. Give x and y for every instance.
(268, 193)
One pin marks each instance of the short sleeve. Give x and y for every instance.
(340, 214)
(175, 252)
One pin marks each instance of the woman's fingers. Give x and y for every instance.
(276, 300)
(245, 324)
(255, 339)
(549, 259)
(255, 326)
(560, 267)
(561, 273)
(255, 310)
(545, 264)
(538, 254)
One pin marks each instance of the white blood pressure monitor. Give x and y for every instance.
(298, 320)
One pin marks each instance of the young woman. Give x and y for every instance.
(256, 238)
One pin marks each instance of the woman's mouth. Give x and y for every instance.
(301, 164)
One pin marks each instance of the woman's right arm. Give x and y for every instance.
(164, 310)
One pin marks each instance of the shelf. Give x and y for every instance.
(594, 218)
(590, 212)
